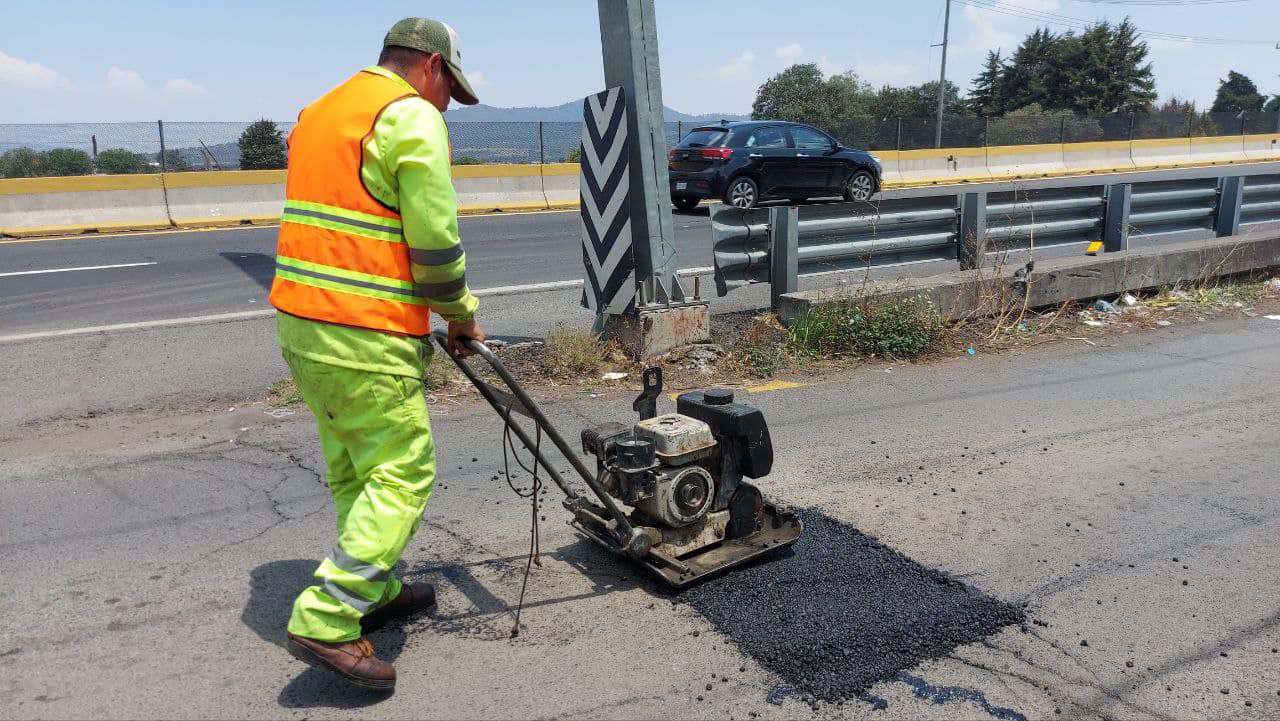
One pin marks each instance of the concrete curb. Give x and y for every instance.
(968, 293)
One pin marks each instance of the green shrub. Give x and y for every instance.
(67, 161)
(175, 162)
(900, 328)
(21, 163)
(574, 351)
(262, 148)
(121, 162)
(467, 160)
(574, 156)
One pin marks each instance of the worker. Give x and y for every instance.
(368, 249)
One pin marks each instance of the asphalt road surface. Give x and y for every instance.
(138, 277)
(1074, 532)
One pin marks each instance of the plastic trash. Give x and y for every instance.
(1105, 306)
(1163, 323)
(1128, 299)
(971, 351)
(1094, 323)
(613, 376)
(1272, 317)
(1022, 327)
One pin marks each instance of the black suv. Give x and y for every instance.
(746, 162)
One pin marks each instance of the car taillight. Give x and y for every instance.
(716, 153)
(671, 154)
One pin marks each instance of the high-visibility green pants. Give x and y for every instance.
(376, 441)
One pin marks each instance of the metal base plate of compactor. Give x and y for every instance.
(757, 528)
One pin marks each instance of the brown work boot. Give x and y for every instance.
(412, 599)
(352, 660)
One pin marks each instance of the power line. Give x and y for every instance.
(1040, 16)
(1155, 3)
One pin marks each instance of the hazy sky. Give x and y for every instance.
(80, 61)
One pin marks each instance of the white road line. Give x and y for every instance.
(69, 270)
(268, 312)
(192, 320)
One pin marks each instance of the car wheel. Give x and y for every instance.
(685, 203)
(742, 193)
(860, 187)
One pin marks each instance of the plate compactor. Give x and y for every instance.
(692, 515)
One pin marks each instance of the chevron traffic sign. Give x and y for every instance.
(610, 287)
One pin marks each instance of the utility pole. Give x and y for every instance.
(942, 77)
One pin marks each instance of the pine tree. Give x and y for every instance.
(1026, 79)
(1237, 93)
(262, 148)
(987, 97)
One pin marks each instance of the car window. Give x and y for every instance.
(704, 138)
(809, 138)
(767, 138)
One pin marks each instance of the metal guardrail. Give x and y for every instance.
(777, 245)
(1261, 200)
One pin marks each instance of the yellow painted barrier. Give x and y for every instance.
(1025, 161)
(46, 206)
(945, 165)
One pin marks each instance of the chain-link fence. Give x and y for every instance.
(120, 148)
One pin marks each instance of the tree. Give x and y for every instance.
(916, 101)
(1273, 105)
(21, 163)
(987, 97)
(1102, 70)
(801, 94)
(1033, 124)
(1026, 77)
(1237, 93)
(262, 148)
(1177, 106)
(67, 161)
(175, 162)
(121, 162)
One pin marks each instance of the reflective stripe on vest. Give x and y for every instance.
(342, 256)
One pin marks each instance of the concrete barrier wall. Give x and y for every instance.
(890, 174)
(1217, 150)
(212, 198)
(491, 187)
(55, 205)
(560, 185)
(1025, 161)
(1097, 157)
(944, 165)
(48, 206)
(1262, 147)
(1162, 153)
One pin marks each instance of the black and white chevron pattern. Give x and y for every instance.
(603, 186)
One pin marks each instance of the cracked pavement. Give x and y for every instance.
(1124, 493)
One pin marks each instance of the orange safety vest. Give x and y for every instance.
(342, 256)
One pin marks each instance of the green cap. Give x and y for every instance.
(433, 36)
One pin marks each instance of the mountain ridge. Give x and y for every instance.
(570, 112)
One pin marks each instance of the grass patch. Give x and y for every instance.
(440, 371)
(283, 393)
(572, 351)
(897, 328)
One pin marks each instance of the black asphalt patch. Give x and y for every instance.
(841, 612)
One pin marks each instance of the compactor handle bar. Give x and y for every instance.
(517, 401)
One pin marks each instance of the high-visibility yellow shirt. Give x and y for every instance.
(406, 166)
